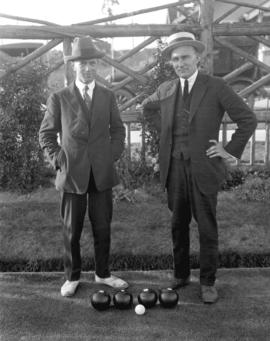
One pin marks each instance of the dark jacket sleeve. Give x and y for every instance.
(151, 110)
(49, 129)
(117, 130)
(242, 115)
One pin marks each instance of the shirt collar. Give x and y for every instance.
(80, 85)
(191, 79)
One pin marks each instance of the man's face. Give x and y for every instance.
(85, 70)
(184, 60)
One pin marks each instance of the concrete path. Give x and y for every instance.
(31, 308)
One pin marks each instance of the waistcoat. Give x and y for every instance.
(180, 147)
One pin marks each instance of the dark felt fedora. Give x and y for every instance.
(84, 48)
(182, 39)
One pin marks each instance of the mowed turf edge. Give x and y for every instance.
(31, 308)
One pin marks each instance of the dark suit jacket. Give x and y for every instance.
(82, 147)
(211, 98)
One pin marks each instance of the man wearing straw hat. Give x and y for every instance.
(188, 112)
(92, 135)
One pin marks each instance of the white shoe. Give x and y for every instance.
(112, 281)
(68, 288)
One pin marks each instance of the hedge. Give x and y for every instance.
(136, 262)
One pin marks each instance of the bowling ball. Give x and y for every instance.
(101, 300)
(148, 297)
(122, 300)
(168, 298)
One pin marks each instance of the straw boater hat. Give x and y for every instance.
(182, 39)
(83, 48)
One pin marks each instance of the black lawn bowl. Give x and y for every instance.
(168, 298)
(101, 300)
(148, 298)
(123, 300)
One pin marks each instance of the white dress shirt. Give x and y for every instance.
(191, 80)
(81, 87)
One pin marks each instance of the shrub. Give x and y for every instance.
(144, 262)
(235, 177)
(135, 172)
(161, 72)
(262, 172)
(21, 96)
(254, 189)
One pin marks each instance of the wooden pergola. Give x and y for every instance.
(211, 31)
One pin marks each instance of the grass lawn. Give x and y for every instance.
(32, 309)
(30, 227)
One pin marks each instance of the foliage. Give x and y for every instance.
(235, 177)
(135, 172)
(238, 175)
(21, 96)
(161, 72)
(254, 188)
(262, 172)
(144, 262)
(107, 6)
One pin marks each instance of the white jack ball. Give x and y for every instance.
(140, 309)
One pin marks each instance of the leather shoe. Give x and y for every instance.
(69, 288)
(112, 281)
(209, 294)
(180, 282)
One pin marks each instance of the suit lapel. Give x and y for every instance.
(75, 101)
(97, 104)
(198, 92)
(172, 93)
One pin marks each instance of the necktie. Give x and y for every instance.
(185, 93)
(86, 97)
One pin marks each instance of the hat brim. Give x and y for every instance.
(95, 55)
(200, 47)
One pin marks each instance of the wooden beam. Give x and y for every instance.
(185, 13)
(68, 71)
(242, 53)
(238, 71)
(125, 69)
(226, 14)
(37, 21)
(267, 140)
(127, 80)
(32, 56)
(245, 4)
(135, 116)
(95, 31)
(103, 81)
(42, 22)
(130, 102)
(105, 31)
(262, 40)
(132, 14)
(254, 86)
(241, 29)
(207, 14)
(136, 49)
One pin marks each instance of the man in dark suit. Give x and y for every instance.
(188, 112)
(92, 135)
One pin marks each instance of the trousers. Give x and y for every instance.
(186, 201)
(72, 210)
